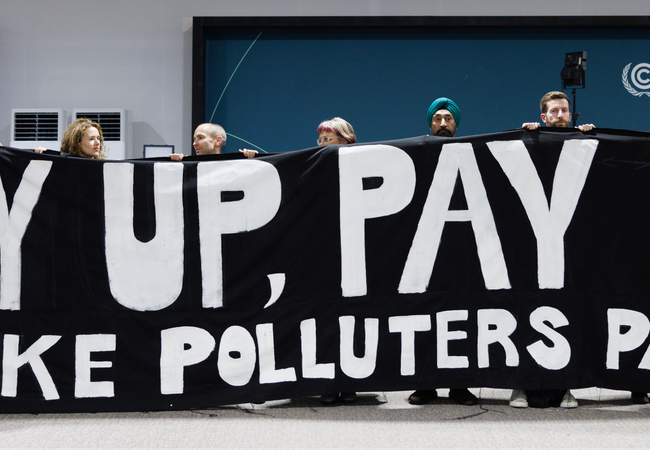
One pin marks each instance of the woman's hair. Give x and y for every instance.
(340, 128)
(73, 135)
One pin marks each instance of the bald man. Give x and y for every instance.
(209, 139)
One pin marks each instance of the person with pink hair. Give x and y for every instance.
(335, 131)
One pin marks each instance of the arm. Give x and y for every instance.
(531, 126)
(176, 157)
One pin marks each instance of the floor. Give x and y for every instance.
(605, 419)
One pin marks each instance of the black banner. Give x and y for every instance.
(514, 260)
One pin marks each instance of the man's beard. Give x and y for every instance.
(444, 132)
(560, 123)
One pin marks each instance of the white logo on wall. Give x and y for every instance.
(639, 77)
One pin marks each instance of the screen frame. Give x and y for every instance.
(203, 25)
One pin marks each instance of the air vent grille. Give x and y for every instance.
(111, 123)
(36, 126)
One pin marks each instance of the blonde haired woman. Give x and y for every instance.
(84, 139)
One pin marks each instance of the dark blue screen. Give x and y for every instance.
(274, 93)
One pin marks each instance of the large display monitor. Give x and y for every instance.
(271, 80)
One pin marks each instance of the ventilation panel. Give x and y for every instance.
(32, 128)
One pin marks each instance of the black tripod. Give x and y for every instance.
(575, 114)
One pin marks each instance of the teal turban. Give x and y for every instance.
(443, 103)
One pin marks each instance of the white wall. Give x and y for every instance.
(137, 54)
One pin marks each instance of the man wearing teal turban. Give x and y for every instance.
(443, 117)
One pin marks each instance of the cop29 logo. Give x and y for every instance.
(639, 78)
